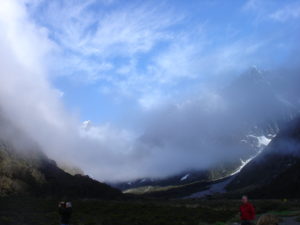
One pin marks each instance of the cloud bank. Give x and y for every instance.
(187, 118)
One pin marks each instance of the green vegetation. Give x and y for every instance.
(171, 192)
(30, 172)
(18, 171)
(182, 190)
(33, 211)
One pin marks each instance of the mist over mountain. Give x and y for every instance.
(217, 124)
(248, 114)
(164, 102)
(26, 171)
(274, 173)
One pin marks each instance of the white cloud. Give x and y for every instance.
(13, 23)
(120, 32)
(28, 100)
(115, 140)
(89, 43)
(107, 33)
(288, 12)
(280, 11)
(252, 5)
(26, 96)
(152, 101)
(137, 57)
(178, 62)
(92, 42)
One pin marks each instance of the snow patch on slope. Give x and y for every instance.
(244, 163)
(185, 177)
(262, 142)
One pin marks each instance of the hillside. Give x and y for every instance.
(276, 172)
(259, 110)
(26, 170)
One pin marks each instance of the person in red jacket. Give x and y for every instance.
(247, 212)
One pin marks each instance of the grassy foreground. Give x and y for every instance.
(25, 211)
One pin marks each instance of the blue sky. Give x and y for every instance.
(114, 58)
(148, 75)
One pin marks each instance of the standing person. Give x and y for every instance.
(247, 212)
(65, 212)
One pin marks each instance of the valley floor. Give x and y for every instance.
(32, 211)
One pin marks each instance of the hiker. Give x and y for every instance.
(65, 212)
(268, 219)
(247, 212)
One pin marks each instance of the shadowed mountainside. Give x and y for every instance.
(276, 172)
(26, 170)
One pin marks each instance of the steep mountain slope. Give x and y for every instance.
(257, 106)
(276, 172)
(25, 170)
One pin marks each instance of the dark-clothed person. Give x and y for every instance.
(65, 212)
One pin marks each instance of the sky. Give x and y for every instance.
(100, 82)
